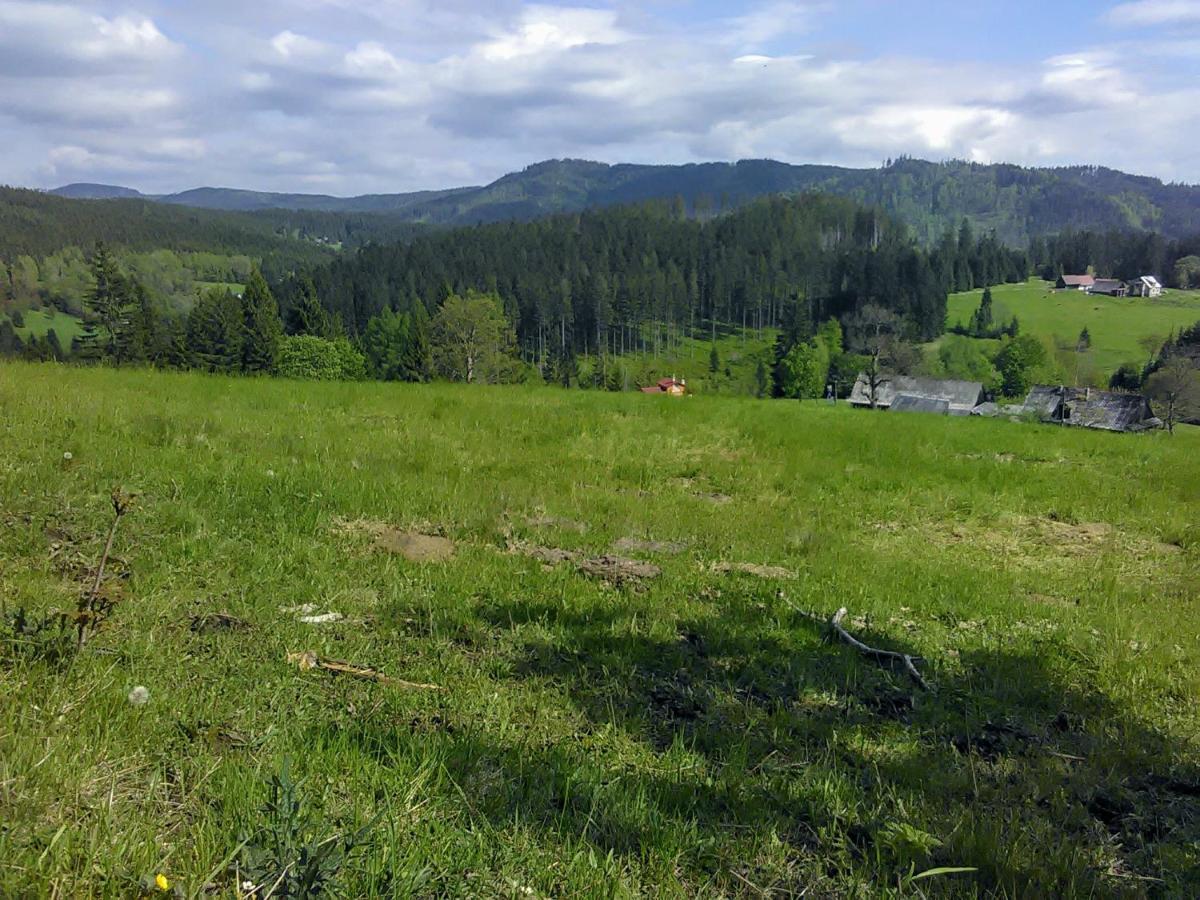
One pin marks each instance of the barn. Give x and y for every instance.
(1075, 282)
(1089, 408)
(1146, 286)
(906, 393)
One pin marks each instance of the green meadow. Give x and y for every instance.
(1115, 324)
(39, 321)
(612, 612)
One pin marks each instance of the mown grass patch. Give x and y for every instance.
(1115, 323)
(688, 733)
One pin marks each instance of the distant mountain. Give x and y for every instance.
(1017, 203)
(85, 191)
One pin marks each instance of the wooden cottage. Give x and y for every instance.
(1146, 286)
(1090, 408)
(1075, 282)
(671, 387)
(906, 393)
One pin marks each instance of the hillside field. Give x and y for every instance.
(39, 321)
(690, 734)
(1114, 323)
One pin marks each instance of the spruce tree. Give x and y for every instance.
(263, 328)
(108, 297)
(56, 348)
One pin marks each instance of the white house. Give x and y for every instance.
(1146, 286)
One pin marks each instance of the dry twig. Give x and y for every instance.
(878, 655)
(306, 660)
(93, 608)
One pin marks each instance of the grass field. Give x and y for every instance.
(38, 322)
(691, 734)
(234, 287)
(1115, 323)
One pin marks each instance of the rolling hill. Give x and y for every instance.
(1018, 203)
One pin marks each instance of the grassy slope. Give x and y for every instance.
(38, 322)
(698, 737)
(1115, 323)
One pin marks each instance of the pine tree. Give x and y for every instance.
(214, 332)
(714, 360)
(417, 361)
(108, 297)
(308, 316)
(56, 349)
(262, 326)
(10, 341)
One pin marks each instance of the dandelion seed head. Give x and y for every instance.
(139, 696)
(68, 456)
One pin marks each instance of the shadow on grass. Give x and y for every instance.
(752, 755)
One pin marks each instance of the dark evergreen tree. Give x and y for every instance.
(215, 331)
(262, 326)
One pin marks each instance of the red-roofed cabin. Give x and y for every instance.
(670, 386)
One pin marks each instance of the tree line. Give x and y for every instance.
(638, 279)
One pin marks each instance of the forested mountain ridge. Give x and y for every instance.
(1018, 203)
(37, 224)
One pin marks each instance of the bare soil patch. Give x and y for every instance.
(415, 546)
(728, 568)
(616, 570)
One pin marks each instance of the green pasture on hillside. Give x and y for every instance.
(1114, 323)
(40, 321)
(596, 734)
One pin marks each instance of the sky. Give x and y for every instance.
(379, 96)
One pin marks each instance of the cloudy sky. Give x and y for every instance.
(355, 96)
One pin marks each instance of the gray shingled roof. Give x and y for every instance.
(960, 396)
(1084, 408)
(913, 404)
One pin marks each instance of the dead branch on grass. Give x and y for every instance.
(885, 656)
(307, 660)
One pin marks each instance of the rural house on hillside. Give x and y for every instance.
(1110, 287)
(1146, 286)
(904, 393)
(1075, 282)
(1088, 408)
(670, 386)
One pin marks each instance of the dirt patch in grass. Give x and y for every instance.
(714, 498)
(557, 523)
(637, 545)
(616, 570)
(415, 546)
(1036, 541)
(729, 568)
(214, 623)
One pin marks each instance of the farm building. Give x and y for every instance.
(1089, 408)
(1110, 287)
(669, 386)
(904, 393)
(1146, 286)
(1075, 282)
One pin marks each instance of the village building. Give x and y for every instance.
(1146, 286)
(671, 387)
(1075, 282)
(1110, 287)
(1090, 408)
(905, 393)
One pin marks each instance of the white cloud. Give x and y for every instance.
(351, 96)
(1156, 12)
(549, 29)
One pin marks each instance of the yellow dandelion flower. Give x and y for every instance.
(162, 883)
